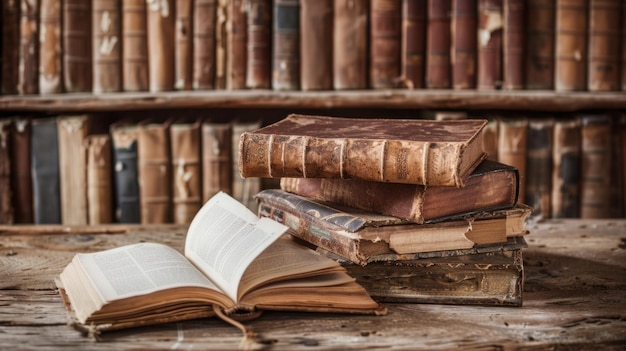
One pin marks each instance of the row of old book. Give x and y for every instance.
(99, 46)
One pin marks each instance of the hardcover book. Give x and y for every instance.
(45, 171)
(417, 203)
(286, 45)
(21, 177)
(513, 146)
(204, 16)
(539, 161)
(385, 39)
(161, 19)
(571, 45)
(259, 48)
(183, 45)
(50, 53)
(410, 151)
(490, 24)
(438, 43)
(225, 270)
(540, 35)
(236, 45)
(135, 75)
(221, 43)
(513, 39)
(244, 189)
(10, 46)
(107, 46)
(6, 203)
(217, 160)
(185, 144)
(316, 52)
(604, 39)
(76, 43)
(350, 44)
(463, 53)
(490, 138)
(28, 68)
(595, 167)
(566, 169)
(100, 188)
(413, 48)
(124, 144)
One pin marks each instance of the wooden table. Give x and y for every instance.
(575, 297)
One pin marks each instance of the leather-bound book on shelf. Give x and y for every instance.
(413, 48)
(571, 45)
(6, 203)
(185, 147)
(513, 145)
(236, 45)
(135, 46)
(183, 45)
(513, 40)
(45, 171)
(100, 188)
(385, 43)
(28, 68)
(221, 43)
(155, 171)
(204, 44)
(604, 37)
(539, 164)
(540, 36)
(77, 39)
(107, 46)
(21, 177)
(316, 51)
(595, 178)
(50, 52)
(463, 52)
(438, 43)
(125, 172)
(623, 45)
(490, 138)
(286, 45)
(412, 151)
(10, 46)
(217, 156)
(490, 26)
(161, 45)
(566, 168)
(258, 44)
(244, 188)
(350, 44)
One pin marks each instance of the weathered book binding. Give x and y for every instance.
(107, 46)
(316, 35)
(186, 184)
(413, 48)
(566, 169)
(595, 182)
(604, 34)
(21, 178)
(28, 81)
(463, 53)
(217, 165)
(244, 189)
(10, 46)
(6, 204)
(45, 171)
(513, 146)
(161, 46)
(571, 45)
(135, 75)
(385, 35)
(350, 44)
(125, 167)
(490, 24)
(539, 166)
(438, 40)
(259, 50)
(204, 16)
(490, 138)
(387, 150)
(183, 45)
(540, 35)
(236, 45)
(417, 203)
(77, 62)
(513, 39)
(286, 45)
(50, 52)
(221, 43)
(99, 179)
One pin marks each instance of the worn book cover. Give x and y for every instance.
(316, 51)
(28, 68)
(438, 40)
(21, 176)
(161, 19)
(244, 188)
(204, 16)
(413, 48)
(6, 204)
(385, 39)
(571, 45)
(185, 148)
(411, 151)
(50, 52)
(513, 40)
(604, 36)
(135, 45)
(595, 167)
(45, 171)
(221, 43)
(513, 146)
(350, 44)
(490, 26)
(217, 159)
(490, 138)
(566, 169)
(237, 45)
(463, 53)
(107, 46)
(77, 39)
(100, 187)
(286, 45)
(259, 37)
(183, 45)
(10, 46)
(126, 175)
(540, 34)
(539, 166)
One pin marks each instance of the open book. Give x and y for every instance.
(234, 264)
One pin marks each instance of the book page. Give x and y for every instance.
(225, 237)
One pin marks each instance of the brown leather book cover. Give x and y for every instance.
(539, 166)
(236, 45)
(183, 45)
(107, 46)
(50, 54)
(135, 46)
(10, 46)
(286, 45)
(72, 131)
(513, 40)
(438, 43)
(221, 44)
(512, 146)
(100, 187)
(259, 39)
(604, 37)
(29, 47)
(155, 171)
(463, 54)
(244, 188)
(566, 169)
(217, 167)
(316, 52)
(76, 43)
(161, 45)
(540, 36)
(21, 178)
(490, 138)
(490, 24)
(350, 44)
(204, 44)
(6, 198)
(571, 45)
(186, 148)
(412, 151)
(595, 179)
(413, 48)
(385, 43)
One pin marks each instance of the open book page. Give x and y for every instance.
(225, 237)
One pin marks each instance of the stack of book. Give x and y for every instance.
(412, 208)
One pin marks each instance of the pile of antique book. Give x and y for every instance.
(412, 208)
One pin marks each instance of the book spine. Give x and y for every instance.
(183, 45)
(463, 54)
(286, 45)
(50, 54)
(540, 36)
(29, 48)
(135, 46)
(385, 40)
(155, 172)
(244, 189)
(204, 44)
(186, 171)
(621, 161)
(539, 167)
(6, 204)
(413, 47)
(99, 182)
(237, 41)
(21, 181)
(10, 46)
(107, 46)
(45, 171)
(438, 43)
(126, 175)
(513, 37)
(566, 169)
(350, 43)
(161, 45)
(217, 168)
(76, 43)
(490, 138)
(221, 43)
(513, 146)
(623, 45)
(316, 34)
(258, 46)
(490, 24)
(595, 182)
(604, 45)
(571, 45)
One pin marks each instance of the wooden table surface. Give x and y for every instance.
(574, 298)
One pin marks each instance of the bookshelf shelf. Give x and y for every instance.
(529, 100)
